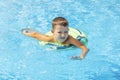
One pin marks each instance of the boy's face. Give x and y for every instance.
(60, 33)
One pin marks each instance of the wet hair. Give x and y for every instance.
(59, 21)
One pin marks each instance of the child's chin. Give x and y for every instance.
(61, 41)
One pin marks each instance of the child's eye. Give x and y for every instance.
(59, 32)
(66, 32)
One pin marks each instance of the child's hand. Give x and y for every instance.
(28, 31)
(76, 58)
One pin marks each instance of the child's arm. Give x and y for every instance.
(84, 51)
(35, 34)
(80, 45)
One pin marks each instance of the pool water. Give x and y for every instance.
(22, 58)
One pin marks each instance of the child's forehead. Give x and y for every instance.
(58, 27)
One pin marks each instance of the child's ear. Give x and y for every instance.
(68, 29)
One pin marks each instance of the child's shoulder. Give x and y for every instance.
(49, 38)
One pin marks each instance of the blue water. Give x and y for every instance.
(22, 58)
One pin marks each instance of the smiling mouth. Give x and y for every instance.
(63, 38)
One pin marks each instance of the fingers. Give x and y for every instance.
(76, 58)
(27, 31)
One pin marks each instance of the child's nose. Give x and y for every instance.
(62, 35)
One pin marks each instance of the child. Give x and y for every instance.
(59, 34)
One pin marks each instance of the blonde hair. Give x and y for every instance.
(59, 21)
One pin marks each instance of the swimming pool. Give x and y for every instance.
(22, 58)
